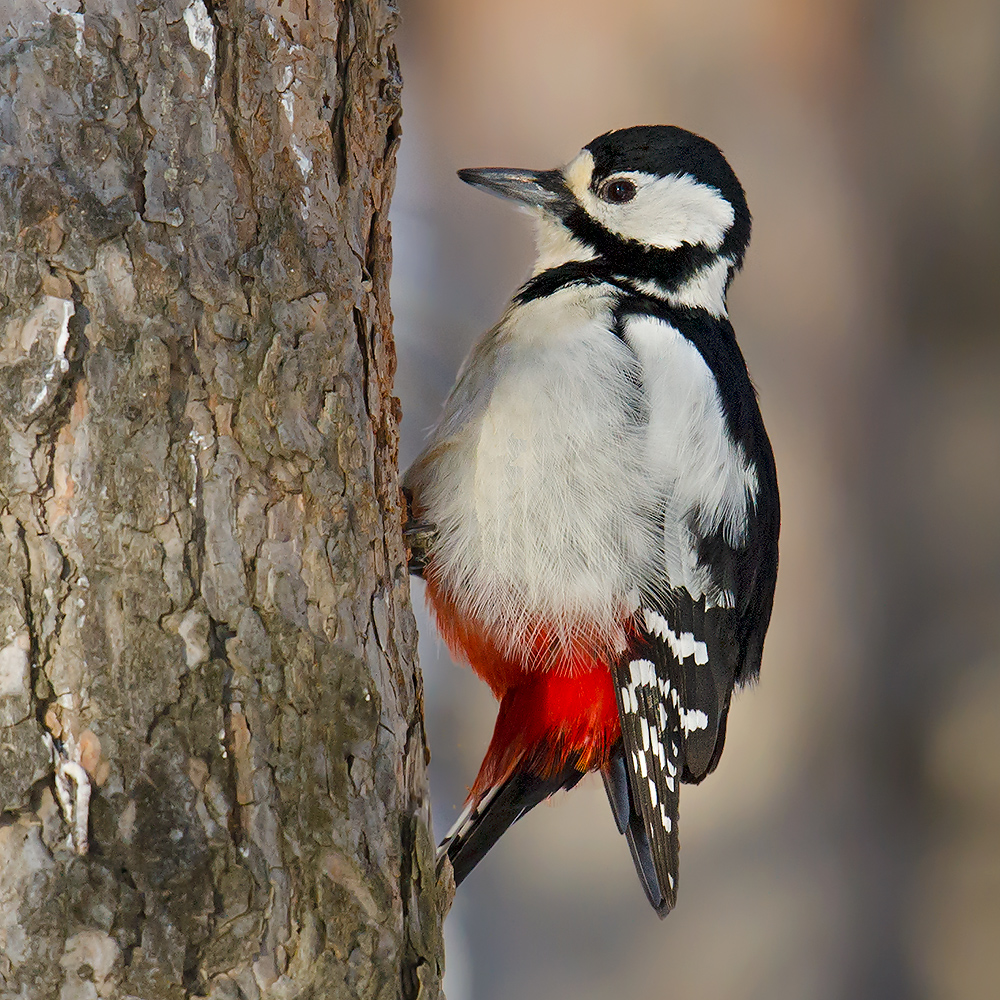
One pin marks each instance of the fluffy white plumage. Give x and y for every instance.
(536, 475)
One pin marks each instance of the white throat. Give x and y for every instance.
(556, 245)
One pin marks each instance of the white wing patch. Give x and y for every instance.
(682, 645)
(693, 720)
(652, 755)
(651, 747)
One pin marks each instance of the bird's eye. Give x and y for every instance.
(618, 191)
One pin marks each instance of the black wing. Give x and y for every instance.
(674, 689)
(675, 684)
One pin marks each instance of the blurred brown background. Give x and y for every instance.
(849, 844)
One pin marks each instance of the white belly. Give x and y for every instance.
(557, 476)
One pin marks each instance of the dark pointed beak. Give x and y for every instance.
(544, 189)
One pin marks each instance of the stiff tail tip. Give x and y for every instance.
(629, 820)
(484, 820)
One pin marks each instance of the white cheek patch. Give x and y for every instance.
(666, 211)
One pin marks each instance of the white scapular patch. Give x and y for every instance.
(682, 645)
(690, 455)
(665, 212)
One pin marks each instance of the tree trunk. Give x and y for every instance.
(205, 619)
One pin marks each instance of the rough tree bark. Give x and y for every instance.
(204, 608)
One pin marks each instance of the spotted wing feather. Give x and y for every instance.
(692, 646)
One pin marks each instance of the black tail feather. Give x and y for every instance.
(616, 785)
(467, 844)
(629, 820)
(642, 858)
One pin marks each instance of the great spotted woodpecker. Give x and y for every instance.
(596, 513)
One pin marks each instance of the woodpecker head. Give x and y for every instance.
(653, 203)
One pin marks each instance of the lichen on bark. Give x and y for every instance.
(205, 606)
